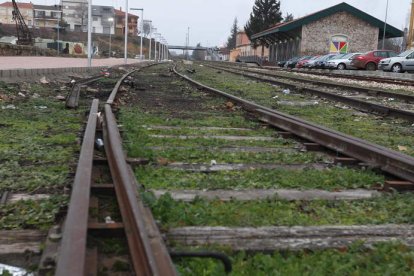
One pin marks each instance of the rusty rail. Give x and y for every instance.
(149, 255)
(148, 252)
(73, 248)
(114, 92)
(388, 160)
(72, 100)
(362, 105)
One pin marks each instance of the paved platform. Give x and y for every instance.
(35, 62)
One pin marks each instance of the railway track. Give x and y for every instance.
(356, 103)
(345, 76)
(202, 154)
(364, 90)
(390, 161)
(195, 153)
(148, 254)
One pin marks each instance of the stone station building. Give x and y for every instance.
(339, 29)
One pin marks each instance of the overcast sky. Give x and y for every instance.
(210, 21)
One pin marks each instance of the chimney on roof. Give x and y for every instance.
(120, 8)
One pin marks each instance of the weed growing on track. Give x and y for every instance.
(381, 259)
(329, 179)
(392, 133)
(30, 214)
(38, 142)
(394, 209)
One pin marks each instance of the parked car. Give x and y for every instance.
(321, 62)
(302, 61)
(343, 62)
(311, 62)
(370, 60)
(291, 62)
(294, 63)
(399, 64)
(281, 63)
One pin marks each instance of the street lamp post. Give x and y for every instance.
(111, 20)
(89, 33)
(159, 49)
(142, 29)
(150, 38)
(156, 35)
(126, 33)
(385, 27)
(59, 16)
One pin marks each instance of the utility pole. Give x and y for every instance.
(411, 28)
(188, 43)
(126, 33)
(385, 27)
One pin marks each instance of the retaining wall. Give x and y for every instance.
(15, 74)
(20, 50)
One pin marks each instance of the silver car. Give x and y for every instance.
(343, 62)
(399, 64)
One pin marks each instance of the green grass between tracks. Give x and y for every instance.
(328, 179)
(38, 142)
(31, 214)
(381, 259)
(389, 132)
(394, 209)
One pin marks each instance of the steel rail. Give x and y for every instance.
(114, 92)
(388, 160)
(112, 96)
(339, 75)
(72, 100)
(73, 249)
(358, 77)
(362, 105)
(365, 90)
(145, 260)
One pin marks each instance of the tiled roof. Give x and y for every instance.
(19, 5)
(122, 13)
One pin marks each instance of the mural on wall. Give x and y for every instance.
(339, 44)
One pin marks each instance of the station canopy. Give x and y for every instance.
(293, 29)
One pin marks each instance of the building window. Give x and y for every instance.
(95, 18)
(339, 44)
(40, 13)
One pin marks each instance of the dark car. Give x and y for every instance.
(281, 63)
(370, 60)
(291, 62)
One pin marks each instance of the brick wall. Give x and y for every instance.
(316, 36)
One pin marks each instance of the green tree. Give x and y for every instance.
(265, 14)
(231, 41)
(288, 17)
